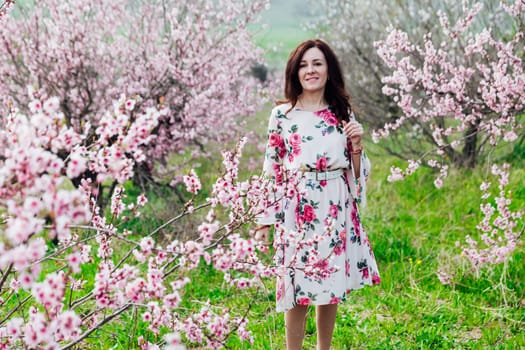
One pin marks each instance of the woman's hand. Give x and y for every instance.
(354, 131)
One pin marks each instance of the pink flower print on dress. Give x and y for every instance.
(333, 211)
(340, 247)
(342, 235)
(275, 140)
(334, 300)
(295, 140)
(278, 173)
(308, 213)
(355, 220)
(303, 301)
(321, 163)
(328, 117)
(282, 152)
(280, 289)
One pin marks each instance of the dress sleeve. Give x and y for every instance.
(357, 187)
(273, 171)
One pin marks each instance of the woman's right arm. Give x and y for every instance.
(272, 170)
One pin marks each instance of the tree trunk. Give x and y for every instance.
(469, 155)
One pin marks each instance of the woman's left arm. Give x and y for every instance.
(360, 163)
(354, 132)
(355, 155)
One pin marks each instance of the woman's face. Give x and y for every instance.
(313, 70)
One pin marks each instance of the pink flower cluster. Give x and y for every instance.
(192, 182)
(316, 266)
(5, 6)
(132, 270)
(501, 227)
(85, 140)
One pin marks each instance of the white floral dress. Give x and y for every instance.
(314, 141)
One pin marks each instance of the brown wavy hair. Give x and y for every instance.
(335, 93)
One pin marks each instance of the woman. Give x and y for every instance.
(314, 131)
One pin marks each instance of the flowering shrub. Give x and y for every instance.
(474, 102)
(500, 225)
(191, 59)
(59, 152)
(48, 300)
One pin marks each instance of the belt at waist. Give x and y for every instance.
(323, 175)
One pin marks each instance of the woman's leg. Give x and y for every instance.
(325, 315)
(295, 320)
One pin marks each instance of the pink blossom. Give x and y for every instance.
(74, 260)
(192, 182)
(68, 324)
(173, 342)
(396, 174)
(130, 104)
(147, 244)
(321, 163)
(207, 230)
(333, 210)
(444, 277)
(308, 213)
(275, 140)
(295, 140)
(303, 301)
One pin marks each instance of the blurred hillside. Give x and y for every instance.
(282, 28)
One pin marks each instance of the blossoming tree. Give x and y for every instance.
(362, 23)
(190, 58)
(467, 104)
(456, 90)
